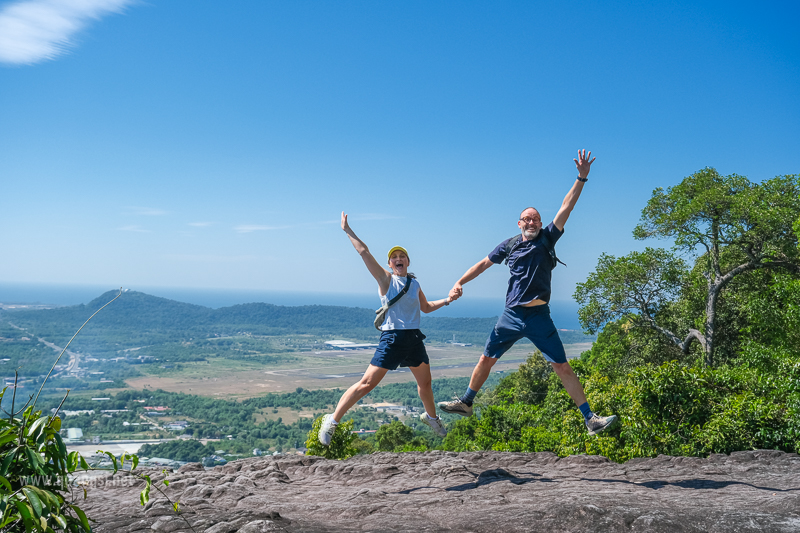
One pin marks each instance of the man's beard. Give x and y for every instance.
(531, 234)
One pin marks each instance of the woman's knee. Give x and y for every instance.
(366, 385)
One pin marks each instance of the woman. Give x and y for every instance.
(401, 340)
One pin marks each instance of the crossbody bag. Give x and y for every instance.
(381, 313)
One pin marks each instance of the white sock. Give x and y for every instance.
(431, 417)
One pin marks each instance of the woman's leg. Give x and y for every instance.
(422, 373)
(372, 377)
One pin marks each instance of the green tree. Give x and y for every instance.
(341, 446)
(732, 227)
(528, 384)
(393, 436)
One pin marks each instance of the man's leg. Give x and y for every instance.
(570, 382)
(481, 372)
(507, 331)
(479, 376)
(543, 333)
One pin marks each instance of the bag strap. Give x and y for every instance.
(402, 292)
(551, 249)
(511, 244)
(514, 242)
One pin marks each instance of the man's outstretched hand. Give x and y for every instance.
(583, 163)
(456, 292)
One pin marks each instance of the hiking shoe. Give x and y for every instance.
(596, 424)
(435, 423)
(456, 407)
(327, 429)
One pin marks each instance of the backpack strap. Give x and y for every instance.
(514, 242)
(511, 244)
(551, 249)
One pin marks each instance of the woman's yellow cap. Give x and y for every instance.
(396, 248)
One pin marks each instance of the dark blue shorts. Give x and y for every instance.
(531, 322)
(400, 347)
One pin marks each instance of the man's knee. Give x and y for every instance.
(562, 369)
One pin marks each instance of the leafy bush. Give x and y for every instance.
(341, 446)
(528, 384)
(390, 437)
(670, 409)
(33, 475)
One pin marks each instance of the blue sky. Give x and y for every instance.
(214, 145)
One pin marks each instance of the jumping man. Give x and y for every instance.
(530, 257)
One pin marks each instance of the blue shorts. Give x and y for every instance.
(400, 347)
(531, 322)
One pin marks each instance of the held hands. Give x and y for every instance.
(583, 163)
(456, 292)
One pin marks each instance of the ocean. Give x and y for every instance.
(564, 312)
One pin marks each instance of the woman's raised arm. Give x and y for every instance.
(378, 272)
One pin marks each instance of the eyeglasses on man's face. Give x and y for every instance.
(529, 220)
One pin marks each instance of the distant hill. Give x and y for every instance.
(137, 319)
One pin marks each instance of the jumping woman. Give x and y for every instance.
(401, 340)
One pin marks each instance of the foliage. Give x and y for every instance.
(641, 282)
(341, 446)
(672, 409)
(392, 436)
(736, 226)
(33, 475)
(363, 446)
(621, 347)
(528, 384)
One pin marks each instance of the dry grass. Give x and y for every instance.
(324, 370)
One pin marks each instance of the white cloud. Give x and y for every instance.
(36, 30)
(134, 228)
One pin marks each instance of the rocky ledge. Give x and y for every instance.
(466, 492)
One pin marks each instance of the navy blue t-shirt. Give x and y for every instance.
(530, 268)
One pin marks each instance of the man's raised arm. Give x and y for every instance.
(584, 164)
(476, 270)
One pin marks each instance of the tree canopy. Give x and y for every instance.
(726, 225)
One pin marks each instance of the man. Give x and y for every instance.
(530, 257)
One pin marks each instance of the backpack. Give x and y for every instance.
(515, 241)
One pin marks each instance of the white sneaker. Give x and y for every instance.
(327, 429)
(435, 423)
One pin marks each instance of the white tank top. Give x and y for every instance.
(405, 313)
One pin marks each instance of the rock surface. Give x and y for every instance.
(467, 492)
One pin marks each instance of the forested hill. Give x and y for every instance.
(137, 318)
